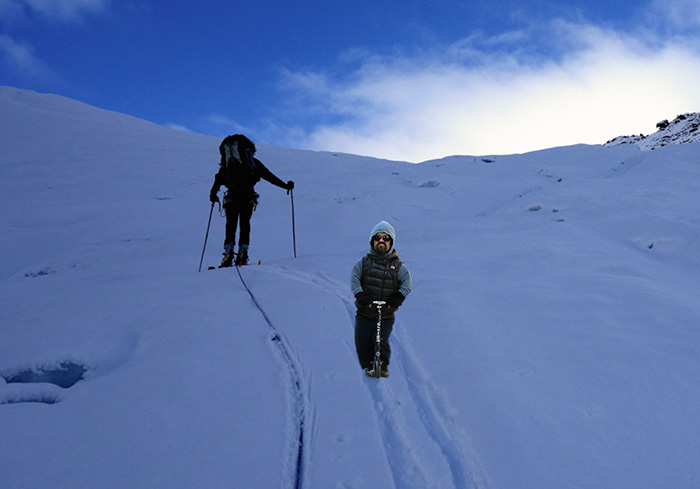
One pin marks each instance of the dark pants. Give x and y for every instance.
(234, 210)
(365, 338)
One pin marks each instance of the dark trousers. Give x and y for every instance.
(234, 210)
(365, 338)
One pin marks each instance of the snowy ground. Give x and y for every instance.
(551, 339)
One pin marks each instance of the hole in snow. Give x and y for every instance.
(66, 375)
(39, 273)
(30, 398)
(429, 184)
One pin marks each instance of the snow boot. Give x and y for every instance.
(242, 256)
(227, 260)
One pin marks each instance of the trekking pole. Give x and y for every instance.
(294, 234)
(206, 236)
(377, 364)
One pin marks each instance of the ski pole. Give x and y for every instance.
(294, 234)
(206, 236)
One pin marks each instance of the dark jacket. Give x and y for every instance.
(239, 170)
(380, 277)
(241, 180)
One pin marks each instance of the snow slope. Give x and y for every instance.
(681, 130)
(551, 339)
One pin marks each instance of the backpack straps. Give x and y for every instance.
(231, 150)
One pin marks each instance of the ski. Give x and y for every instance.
(212, 267)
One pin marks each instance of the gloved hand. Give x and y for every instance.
(290, 185)
(213, 197)
(395, 300)
(363, 299)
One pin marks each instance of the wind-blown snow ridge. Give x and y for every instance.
(681, 130)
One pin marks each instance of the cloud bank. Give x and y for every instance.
(555, 84)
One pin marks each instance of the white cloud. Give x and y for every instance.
(21, 58)
(503, 95)
(683, 14)
(56, 10)
(177, 127)
(10, 10)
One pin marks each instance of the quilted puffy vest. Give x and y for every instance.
(380, 275)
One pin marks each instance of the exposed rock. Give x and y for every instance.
(683, 129)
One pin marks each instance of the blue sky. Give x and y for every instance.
(410, 80)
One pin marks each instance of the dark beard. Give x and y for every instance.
(382, 251)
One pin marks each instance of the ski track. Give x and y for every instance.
(434, 412)
(422, 444)
(299, 393)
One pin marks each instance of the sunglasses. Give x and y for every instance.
(381, 238)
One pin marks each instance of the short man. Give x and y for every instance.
(378, 276)
(239, 171)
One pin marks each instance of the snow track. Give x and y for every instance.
(301, 409)
(421, 442)
(435, 415)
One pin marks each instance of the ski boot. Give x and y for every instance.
(227, 260)
(242, 256)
